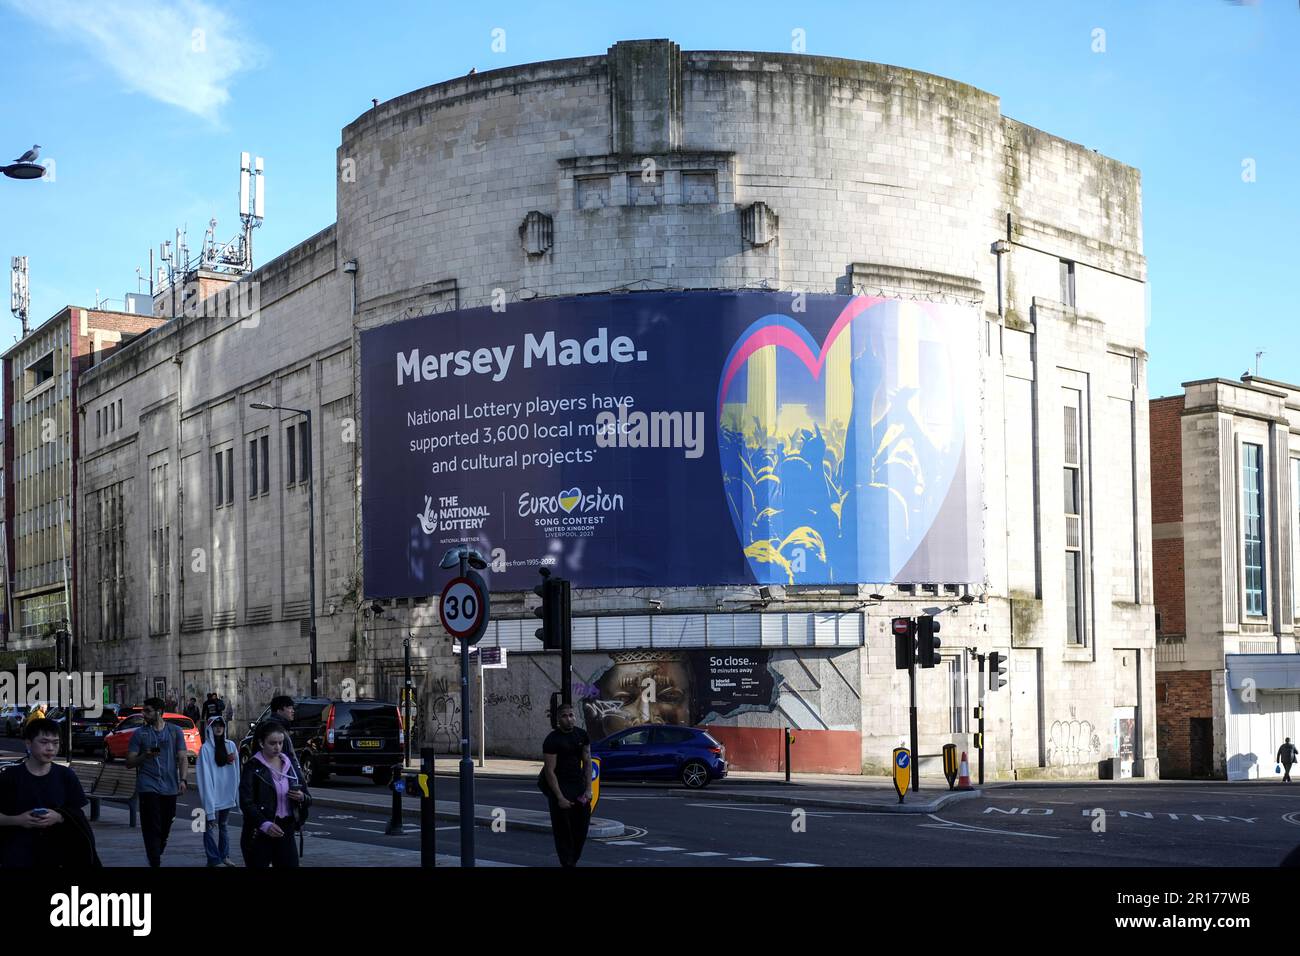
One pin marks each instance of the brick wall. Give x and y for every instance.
(1167, 510)
(1180, 697)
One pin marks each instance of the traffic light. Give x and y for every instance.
(549, 611)
(927, 641)
(904, 631)
(997, 670)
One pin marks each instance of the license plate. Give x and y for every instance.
(99, 733)
(367, 769)
(370, 744)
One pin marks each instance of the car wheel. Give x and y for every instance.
(311, 770)
(695, 775)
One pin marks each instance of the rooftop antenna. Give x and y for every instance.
(252, 202)
(1261, 352)
(20, 300)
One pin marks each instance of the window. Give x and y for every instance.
(1252, 477)
(110, 542)
(39, 372)
(304, 445)
(298, 443)
(223, 477)
(1072, 483)
(259, 478)
(159, 552)
(1067, 283)
(290, 437)
(99, 422)
(1295, 537)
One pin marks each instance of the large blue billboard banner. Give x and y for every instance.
(675, 439)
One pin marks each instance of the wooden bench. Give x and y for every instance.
(112, 782)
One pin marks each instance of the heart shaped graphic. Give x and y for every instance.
(836, 459)
(569, 499)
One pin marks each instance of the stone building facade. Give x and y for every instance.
(650, 168)
(1225, 459)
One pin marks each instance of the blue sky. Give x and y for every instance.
(146, 133)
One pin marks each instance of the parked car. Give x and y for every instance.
(12, 718)
(118, 739)
(662, 752)
(88, 733)
(346, 737)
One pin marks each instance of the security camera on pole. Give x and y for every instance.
(463, 609)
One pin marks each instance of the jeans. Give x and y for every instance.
(261, 851)
(156, 815)
(570, 830)
(216, 841)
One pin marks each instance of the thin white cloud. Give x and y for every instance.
(185, 54)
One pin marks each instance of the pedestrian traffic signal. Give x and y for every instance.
(62, 651)
(550, 633)
(997, 670)
(904, 631)
(927, 640)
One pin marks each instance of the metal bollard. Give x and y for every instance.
(428, 847)
(397, 785)
(789, 739)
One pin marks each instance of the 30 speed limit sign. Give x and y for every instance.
(464, 608)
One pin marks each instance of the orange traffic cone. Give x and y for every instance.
(963, 777)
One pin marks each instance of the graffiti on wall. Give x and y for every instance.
(1072, 741)
(520, 704)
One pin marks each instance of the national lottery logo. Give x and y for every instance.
(450, 515)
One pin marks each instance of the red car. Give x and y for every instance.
(117, 741)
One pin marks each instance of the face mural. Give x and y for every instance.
(624, 692)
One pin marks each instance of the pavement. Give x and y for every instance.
(120, 845)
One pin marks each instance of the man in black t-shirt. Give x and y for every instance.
(566, 781)
(41, 823)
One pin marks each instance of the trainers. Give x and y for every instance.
(229, 862)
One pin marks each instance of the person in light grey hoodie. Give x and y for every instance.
(218, 776)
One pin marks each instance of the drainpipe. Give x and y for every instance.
(180, 513)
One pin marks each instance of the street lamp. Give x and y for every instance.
(311, 531)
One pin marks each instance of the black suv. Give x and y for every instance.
(88, 732)
(358, 737)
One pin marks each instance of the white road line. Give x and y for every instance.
(626, 843)
(752, 859)
(798, 864)
(951, 825)
(784, 813)
(446, 828)
(365, 829)
(705, 853)
(665, 849)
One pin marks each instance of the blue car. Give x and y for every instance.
(662, 752)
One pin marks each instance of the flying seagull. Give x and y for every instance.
(30, 155)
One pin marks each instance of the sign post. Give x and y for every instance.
(463, 610)
(595, 783)
(489, 658)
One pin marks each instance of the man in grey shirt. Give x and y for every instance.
(157, 751)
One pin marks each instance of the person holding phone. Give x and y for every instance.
(272, 795)
(566, 781)
(42, 825)
(157, 752)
